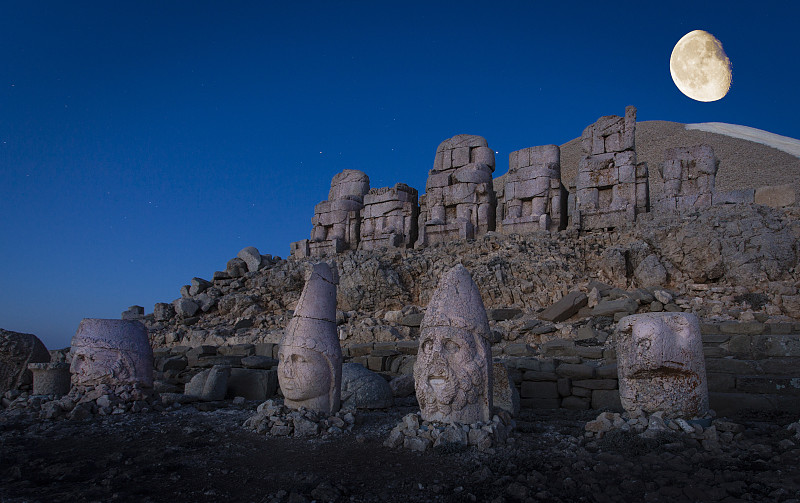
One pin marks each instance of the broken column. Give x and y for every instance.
(50, 378)
(113, 352)
(611, 187)
(688, 175)
(459, 200)
(336, 222)
(533, 196)
(453, 371)
(660, 364)
(389, 218)
(310, 358)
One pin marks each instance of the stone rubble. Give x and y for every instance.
(416, 434)
(275, 419)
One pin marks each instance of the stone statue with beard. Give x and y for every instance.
(453, 372)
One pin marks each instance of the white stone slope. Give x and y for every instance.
(783, 143)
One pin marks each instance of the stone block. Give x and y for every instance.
(357, 350)
(606, 399)
(729, 404)
(539, 389)
(565, 308)
(252, 384)
(538, 375)
(540, 403)
(503, 314)
(564, 386)
(518, 349)
(721, 382)
(575, 403)
(776, 196)
(778, 385)
(575, 371)
(595, 383)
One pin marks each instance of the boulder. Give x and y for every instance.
(364, 389)
(17, 350)
(185, 307)
(251, 257)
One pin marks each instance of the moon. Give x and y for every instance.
(699, 67)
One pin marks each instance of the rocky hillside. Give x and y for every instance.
(729, 262)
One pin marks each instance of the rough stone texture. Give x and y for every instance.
(50, 378)
(337, 221)
(566, 307)
(252, 384)
(504, 394)
(611, 188)
(113, 352)
(533, 196)
(688, 176)
(310, 358)
(364, 389)
(452, 373)
(661, 365)
(216, 383)
(17, 350)
(251, 256)
(459, 200)
(776, 196)
(389, 218)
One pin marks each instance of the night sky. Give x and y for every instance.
(145, 143)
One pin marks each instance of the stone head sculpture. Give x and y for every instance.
(309, 357)
(660, 364)
(453, 372)
(111, 352)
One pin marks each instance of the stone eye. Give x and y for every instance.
(451, 346)
(427, 346)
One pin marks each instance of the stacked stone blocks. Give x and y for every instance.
(611, 187)
(389, 218)
(459, 200)
(688, 175)
(337, 221)
(533, 196)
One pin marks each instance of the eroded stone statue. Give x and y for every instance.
(660, 364)
(111, 352)
(453, 372)
(310, 358)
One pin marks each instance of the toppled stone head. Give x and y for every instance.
(111, 352)
(309, 357)
(660, 364)
(452, 375)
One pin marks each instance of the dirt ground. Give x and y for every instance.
(189, 455)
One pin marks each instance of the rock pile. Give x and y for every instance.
(275, 419)
(418, 435)
(708, 432)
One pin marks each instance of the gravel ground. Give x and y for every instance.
(189, 455)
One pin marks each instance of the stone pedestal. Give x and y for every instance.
(50, 378)
(660, 364)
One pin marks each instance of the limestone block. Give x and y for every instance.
(452, 374)
(111, 352)
(252, 384)
(50, 378)
(252, 258)
(216, 383)
(310, 358)
(350, 182)
(504, 394)
(661, 365)
(776, 196)
(364, 389)
(565, 308)
(17, 351)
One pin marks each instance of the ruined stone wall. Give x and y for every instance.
(688, 179)
(611, 188)
(533, 196)
(389, 218)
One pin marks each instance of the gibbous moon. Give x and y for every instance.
(699, 67)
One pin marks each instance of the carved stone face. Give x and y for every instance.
(661, 364)
(449, 376)
(111, 352)
(303, 374)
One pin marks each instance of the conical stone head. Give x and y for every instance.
(452, 375)
(310, 357)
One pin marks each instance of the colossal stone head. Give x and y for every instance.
(111, 352)
(309, 357)
(660, 364)
(452, 375)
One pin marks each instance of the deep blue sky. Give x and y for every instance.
(144, 143)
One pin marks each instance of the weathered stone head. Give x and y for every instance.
(453, 372)
(660, 364)
(111, 352)
(310, 358)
